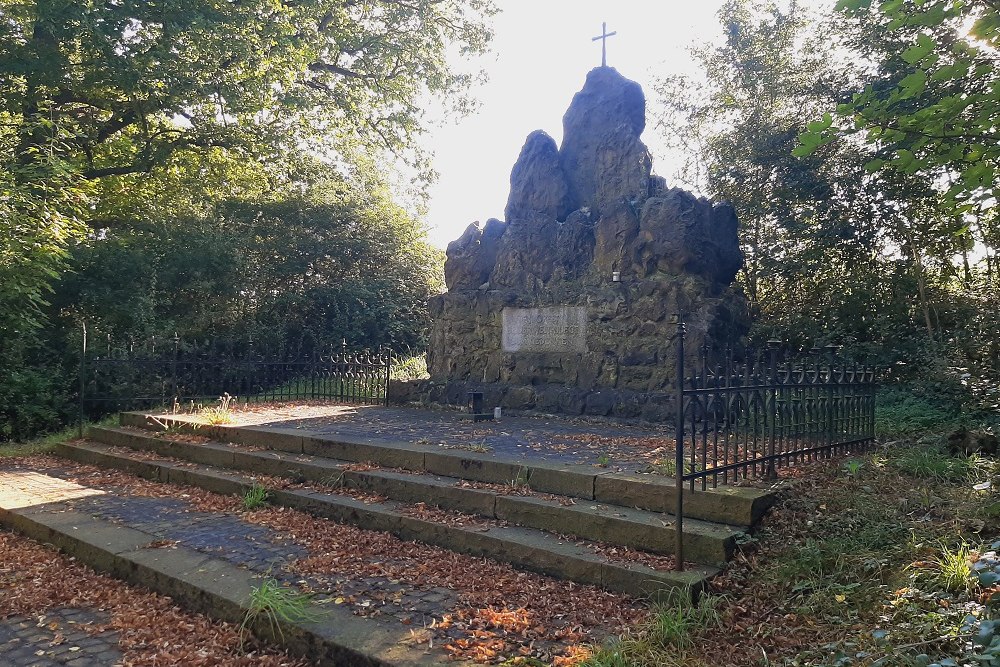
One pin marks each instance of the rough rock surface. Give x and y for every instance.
(470, 258)
(601, 152)
(576, 216)
(537, 181)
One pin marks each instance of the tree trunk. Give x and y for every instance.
(918, 265)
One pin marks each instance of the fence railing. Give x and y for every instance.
(737, 419)
(114, 377)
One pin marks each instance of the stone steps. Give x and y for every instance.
(704, 542)
(734, 506)
(330, 635)
(524, 547)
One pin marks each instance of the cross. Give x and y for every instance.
(604, 43)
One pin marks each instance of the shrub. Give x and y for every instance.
(902, 411)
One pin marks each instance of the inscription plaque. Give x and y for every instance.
(550, 329)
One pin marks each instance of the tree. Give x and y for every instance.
(928, 107)
(933, 104)
(807, 225)
(316, 259)
(130, 128)
(130, 83)
(37, 223)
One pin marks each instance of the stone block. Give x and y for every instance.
(384, 453)
(643, 491)
(422, 489)
(226, 485)
(562, 480)
(644, 582)
(520, 398)
(600, 403)
(270, 437)
(473, 466)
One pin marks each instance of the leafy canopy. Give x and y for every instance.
(132, 81)
(933, 104)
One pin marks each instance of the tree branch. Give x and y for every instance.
(138, 167)
(117, 123)
(336, 69)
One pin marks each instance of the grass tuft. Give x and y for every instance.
(220, 414)
(931, 462)
(672, 629)
(277, 605)
(255, 497)
(949, 569)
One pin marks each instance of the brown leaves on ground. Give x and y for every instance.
(501, 612)
(151, 629)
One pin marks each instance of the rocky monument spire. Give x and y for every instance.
(563, 307)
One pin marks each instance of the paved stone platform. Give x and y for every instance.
(267, 553)
(626, 446)
(58, 638)
(208, 562)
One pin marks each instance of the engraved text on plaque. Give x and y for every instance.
(549, 329)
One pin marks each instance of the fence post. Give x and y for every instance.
(342, 370)
(388, 374)
(772, 371)
(83, 381)
(830, 398)
(679, 453)
(173, 369)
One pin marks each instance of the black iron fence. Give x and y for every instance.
(173, 373)
(743, 418)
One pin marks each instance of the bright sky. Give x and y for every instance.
(542, 51)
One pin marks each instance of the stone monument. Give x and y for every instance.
(567, 305)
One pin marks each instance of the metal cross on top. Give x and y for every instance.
(604, 43)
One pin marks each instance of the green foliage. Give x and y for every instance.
(934, 106)
(901, 411)
(896, 261)
(677, 621)
(809, 227)
(272, 605)
(853, 467)
(948, 569)
(930, 462)
(410, 368)
(255, 497)
(132, 84)
(46, 443)
(337, 261)
(35, 389)
(172, 191)
(41, 204)
(673, 627)
(899, 582)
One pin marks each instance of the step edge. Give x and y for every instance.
(342, 502)
(712, 530)
(317, 641)
(757, 500)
